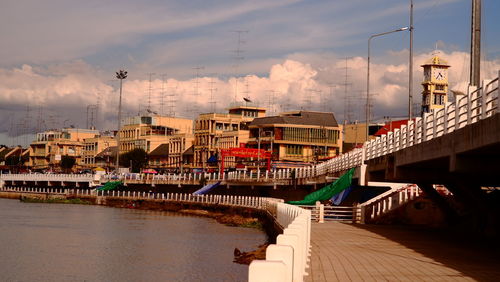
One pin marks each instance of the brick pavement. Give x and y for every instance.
(353, 252)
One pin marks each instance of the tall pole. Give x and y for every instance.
(475, 48)
(121, 75)
(410, 69)
(367, 109)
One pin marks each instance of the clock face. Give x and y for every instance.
(439, 74)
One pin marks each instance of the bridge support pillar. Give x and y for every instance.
(362, 175)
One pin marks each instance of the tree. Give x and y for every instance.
(67, 163)
(138, 158)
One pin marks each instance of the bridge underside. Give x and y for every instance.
(463, 161)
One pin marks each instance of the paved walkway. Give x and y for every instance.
(352, 252)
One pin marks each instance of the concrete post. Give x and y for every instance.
(283, 253)
(293, 241)
(267, 271)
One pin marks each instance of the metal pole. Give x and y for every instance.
(118, 130)
(121, 75)
(258, 153)
(410, 70)
(475, 48)
(367, 109)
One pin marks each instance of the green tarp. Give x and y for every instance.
(327, 192)
(110, 185)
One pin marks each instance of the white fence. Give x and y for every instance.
(287, 259)
(388, 201)
(48, 177)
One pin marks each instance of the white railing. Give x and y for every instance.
(479, 104)
(48, 177)
(287, 259)
(321, 213)
(388, 201)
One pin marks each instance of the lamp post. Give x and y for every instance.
(368, 77)
(121, 75)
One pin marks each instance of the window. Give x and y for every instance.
(294, 150)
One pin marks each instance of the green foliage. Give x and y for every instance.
(138, 158)
(67, 162)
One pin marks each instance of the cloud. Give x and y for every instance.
(59, 94)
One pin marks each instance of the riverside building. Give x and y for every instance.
(216, 131)
(49, 147)
(149, 132)
(297, 136)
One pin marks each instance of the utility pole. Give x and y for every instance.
(475, 48)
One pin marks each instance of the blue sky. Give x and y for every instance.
(61, 55)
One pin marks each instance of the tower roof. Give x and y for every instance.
(436, 61)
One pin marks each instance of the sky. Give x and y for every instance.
(58, 58)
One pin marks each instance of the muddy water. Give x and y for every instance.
(57, 242)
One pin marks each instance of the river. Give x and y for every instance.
(58, 242)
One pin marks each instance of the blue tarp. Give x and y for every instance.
(340, 197)
(206, 188)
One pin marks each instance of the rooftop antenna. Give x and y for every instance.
(150, 90)
(347, 97)
(272, 101)
(247, 88)
(91, 115)
(212, 90)
(238, 57)
(171, 100)
(196, 91)
(162, 93)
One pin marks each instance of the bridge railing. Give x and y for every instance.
(468, 109)
(388, 201)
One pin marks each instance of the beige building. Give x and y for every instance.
(170, 155)
(149, 132)
(215, 131)
(94, 146)
(299, 136)
(49, 146)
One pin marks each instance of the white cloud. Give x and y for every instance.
(64, 91)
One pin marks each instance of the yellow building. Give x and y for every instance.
(149, 132)
(299, 136)
(435, 84)
(215, 131)
(49, 146)
(94, 146)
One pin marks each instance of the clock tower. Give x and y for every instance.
(434, 95)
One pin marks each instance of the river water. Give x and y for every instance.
(57, 242)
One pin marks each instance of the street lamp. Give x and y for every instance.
(121, 75)
(368, 77)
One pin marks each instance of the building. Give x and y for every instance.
(215, 131)
(435, 84)
(299, 136)
(149, 132)
(94, 146)
(158, 157)
(49, 146)
(107, 158)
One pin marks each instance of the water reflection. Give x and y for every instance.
(53, 242)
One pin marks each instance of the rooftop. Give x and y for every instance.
(299, 117)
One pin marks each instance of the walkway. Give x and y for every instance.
(353, 252)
